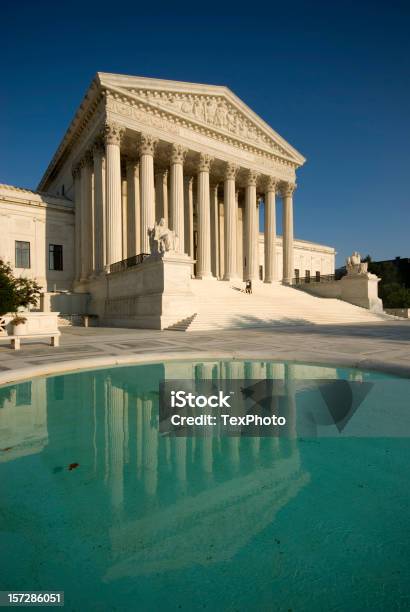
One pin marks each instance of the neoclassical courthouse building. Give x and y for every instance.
(139, 150)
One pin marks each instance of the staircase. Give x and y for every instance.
(224, 305)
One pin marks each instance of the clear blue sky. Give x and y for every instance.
(333, 78)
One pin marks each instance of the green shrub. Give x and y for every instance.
(16, 292)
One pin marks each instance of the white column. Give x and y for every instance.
(257, 261)
(113, 134)
(161, 196)
(124, 226)
(239, 255)
(204, 218)
(251, 225)
(214, 230)
(189, 215)
(133, 208)
(287, 240)
(270, 231)
(221, 217)
(86, 215)
(77, 228)
(269, 245)
(177, 194)
(230, 222)
(99, 207)
(147, 197)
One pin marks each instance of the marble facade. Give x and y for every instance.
(139, 150)
(43, 219)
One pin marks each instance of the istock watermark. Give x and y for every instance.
(181, 399)
(303, 408)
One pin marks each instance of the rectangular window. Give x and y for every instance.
(22, 254)
(260, 272)
(307, 276)
(55, 257)
(297, 275)
(317, 276)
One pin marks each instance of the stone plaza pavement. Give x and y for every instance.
(383, 346)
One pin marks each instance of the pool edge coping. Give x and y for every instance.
(76, 365)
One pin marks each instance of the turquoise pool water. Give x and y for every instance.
(94, 502)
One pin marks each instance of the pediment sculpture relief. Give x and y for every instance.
(212, 110)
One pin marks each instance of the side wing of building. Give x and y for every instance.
(37, 236)
(310, 258)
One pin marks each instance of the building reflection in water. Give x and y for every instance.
(212, 491)
(23, 419)
(158, 495)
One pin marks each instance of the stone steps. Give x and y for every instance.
(183, 324)
(222, 305)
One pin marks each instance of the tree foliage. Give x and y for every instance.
(16, 292)
(392, 287)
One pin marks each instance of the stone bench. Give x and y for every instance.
(15, 340)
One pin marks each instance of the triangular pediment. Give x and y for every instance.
(210, 106)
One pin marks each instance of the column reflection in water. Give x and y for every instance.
(116, 440)
(204, 371)
(274, 371)
(158, 502)
(289, 442)
(150, 447)
(233, 370)
(139, 433)
(202, 482)
(252, 371)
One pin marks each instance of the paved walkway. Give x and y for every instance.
(383, 346)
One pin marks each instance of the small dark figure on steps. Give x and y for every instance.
(248, 286)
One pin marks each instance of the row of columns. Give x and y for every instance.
(99, 213)
(130, 437)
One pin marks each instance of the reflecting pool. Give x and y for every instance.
(96, 502)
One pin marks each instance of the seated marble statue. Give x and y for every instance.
(354, 264)
(161, 238)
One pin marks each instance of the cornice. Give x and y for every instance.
(33, 197)
(24, 203)
(304, 245)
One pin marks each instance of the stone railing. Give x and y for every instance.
(131, 262)
(357, 287)
(303, 280)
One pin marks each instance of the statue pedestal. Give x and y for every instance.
(361, 290)
(152, 295)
